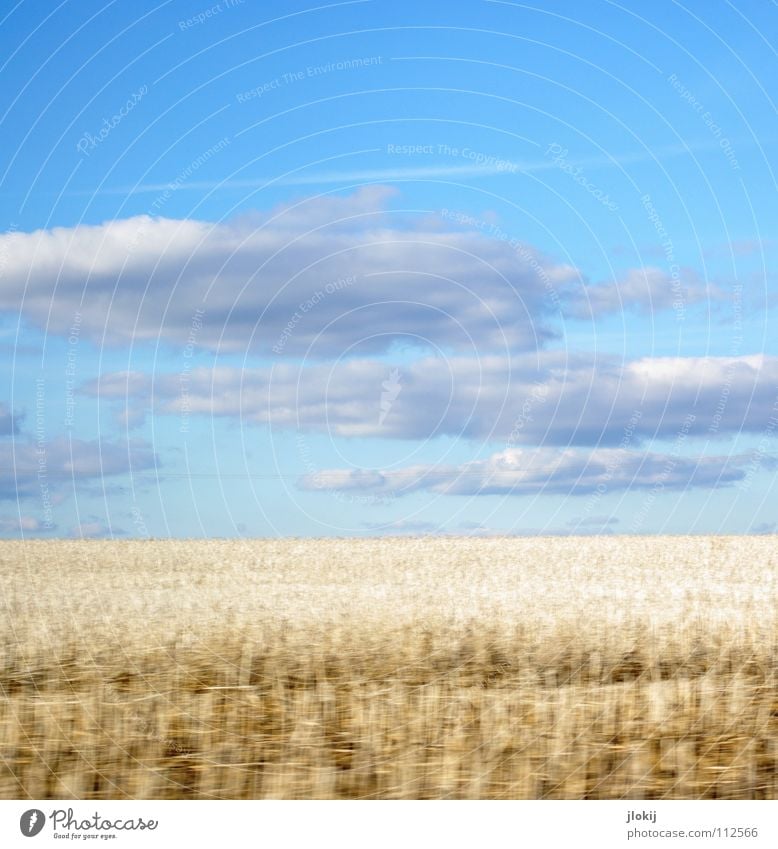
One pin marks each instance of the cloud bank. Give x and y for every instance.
(546, 471)
(551, 398)
(326, 276)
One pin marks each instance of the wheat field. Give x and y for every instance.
(501, 668)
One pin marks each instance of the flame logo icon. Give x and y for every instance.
(391, 389)
(31, 822)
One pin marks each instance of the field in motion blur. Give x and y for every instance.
(396, 668)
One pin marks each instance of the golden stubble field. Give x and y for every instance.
(562, 668)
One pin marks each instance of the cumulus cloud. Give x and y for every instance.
(648, 290)
(31, 469)
(329, 272)
(551, 398)
(319, 276)
(518, 471)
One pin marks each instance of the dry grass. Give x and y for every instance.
(492, 668)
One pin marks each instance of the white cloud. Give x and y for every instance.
(317, 277)
(648, 290)
(551, 398)
(329, 272)
(540, 471)
(30, 468)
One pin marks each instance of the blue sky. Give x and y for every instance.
(384, 268)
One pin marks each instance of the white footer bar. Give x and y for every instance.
(391, 824)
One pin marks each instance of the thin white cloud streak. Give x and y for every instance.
(424, 172)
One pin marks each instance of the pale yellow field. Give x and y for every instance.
(403, 668)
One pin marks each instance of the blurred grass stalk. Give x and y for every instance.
(563, 668)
